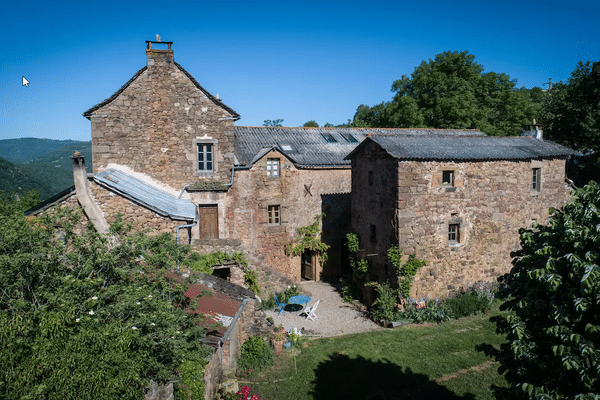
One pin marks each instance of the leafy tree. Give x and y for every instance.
(275, 122)
(571, 116)
(452, 91)
(311, 124)
(83, 316)
(553, 295)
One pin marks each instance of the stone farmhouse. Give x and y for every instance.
(456, 202)
(167, 156)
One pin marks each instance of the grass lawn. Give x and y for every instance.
(432, 361)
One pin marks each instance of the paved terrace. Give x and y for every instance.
(334, 316)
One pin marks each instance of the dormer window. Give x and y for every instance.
(273, 167)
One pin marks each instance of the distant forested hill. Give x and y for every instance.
(40, 164)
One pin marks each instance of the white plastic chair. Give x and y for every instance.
(310, 311)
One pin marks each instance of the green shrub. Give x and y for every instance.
(384, 307)
(435, 311)
(251, 279)
(256, 354)
(291, 291)
(268, 304)
(467, 303)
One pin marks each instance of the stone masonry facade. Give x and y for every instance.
(488, 202)
(155, 124)
(299, 194)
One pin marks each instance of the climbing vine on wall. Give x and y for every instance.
(309, 238)
(406, 272)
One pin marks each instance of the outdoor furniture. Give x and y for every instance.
(310, 311)
(300, 299)
(280, 306)
(297, 303)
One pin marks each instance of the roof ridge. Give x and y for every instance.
(218, 102)
(88, 113)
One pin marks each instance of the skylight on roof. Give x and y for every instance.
(329, 137)
(286, 147)
(351, 138)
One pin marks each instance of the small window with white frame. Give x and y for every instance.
(536, 179)
(447, 178)
(274, 214)
(273, 167)
(453, 234)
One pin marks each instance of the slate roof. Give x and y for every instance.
(318, 147)
(218, 102)
(476, 148)
(146, 195)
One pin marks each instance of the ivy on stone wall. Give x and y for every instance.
(406, 272)
(383, 307)
(309, 238)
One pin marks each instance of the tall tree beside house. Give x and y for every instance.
(82, 316)
(571, 116)
(452, 91)
(553, 297)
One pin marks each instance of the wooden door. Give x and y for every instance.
(308, 265)
(208, 221)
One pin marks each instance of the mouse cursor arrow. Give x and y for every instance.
(25, 82)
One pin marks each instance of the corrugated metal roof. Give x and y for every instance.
(146, 195)
(317, 147)
(468, 148)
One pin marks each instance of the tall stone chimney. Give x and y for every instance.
(159, 56)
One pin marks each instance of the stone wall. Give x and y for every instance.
(153, 126)
(299, 195)
(488, 201)
(138, 216)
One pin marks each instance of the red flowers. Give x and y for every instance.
(245, 392)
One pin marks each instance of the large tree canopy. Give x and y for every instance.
(571, 111)
(553, 295)
(82, 316)
(571, 116)
(452, 91)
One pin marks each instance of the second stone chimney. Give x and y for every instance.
(159, 55)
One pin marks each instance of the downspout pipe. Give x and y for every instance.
(194, 223)
(183, 190)
(232, 172)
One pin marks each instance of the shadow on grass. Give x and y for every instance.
(342, 377)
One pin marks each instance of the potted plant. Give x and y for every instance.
(278, 337)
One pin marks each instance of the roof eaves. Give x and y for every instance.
(88, 113)
(218, 102)
(57, 198)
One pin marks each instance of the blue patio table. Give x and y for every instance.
(295, 301)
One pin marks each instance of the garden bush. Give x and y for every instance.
(467, 303)
(256, 354)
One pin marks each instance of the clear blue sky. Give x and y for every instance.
(295, 60)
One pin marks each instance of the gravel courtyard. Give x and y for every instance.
(334, 317)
